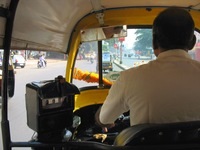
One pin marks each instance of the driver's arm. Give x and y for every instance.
(113, 106)
(98, 122)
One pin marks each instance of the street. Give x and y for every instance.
(133, 62)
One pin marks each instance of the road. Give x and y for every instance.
(133, 62)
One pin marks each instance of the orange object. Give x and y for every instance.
(88, 76)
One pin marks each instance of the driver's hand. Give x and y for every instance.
(105, 129)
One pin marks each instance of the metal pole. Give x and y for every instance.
(6, 46)
(120, 53)
(100, 64)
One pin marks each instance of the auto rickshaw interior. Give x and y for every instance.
(130, 51)
(93, 85)
(61, 111)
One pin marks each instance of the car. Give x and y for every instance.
(107, 61)
(51, 26)
(18, 61)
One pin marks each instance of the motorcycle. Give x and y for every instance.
(91, 60)
(40, 64)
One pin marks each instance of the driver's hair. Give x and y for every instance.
(173, 28)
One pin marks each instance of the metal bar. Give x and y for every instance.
(6, 46)
(100, 64)
(68, 145)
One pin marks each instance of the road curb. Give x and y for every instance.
(123, 67)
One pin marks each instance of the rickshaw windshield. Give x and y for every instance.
(118, 54)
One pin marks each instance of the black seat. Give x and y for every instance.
(157, 134)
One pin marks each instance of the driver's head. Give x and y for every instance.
(173, 28)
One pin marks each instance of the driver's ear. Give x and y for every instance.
(156, 52)
(192, 42)
(155, 45)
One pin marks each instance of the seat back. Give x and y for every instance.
(156, 134)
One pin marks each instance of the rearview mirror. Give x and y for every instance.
(103, 33)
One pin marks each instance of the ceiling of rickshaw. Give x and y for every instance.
(49, 24)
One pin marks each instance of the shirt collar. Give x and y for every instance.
(174, 53)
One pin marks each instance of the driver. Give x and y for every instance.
(164, 90)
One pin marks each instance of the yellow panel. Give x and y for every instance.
(90, 97)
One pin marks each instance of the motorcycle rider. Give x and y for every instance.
(42, 60)
(92, 57)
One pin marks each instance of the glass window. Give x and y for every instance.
(85, 65)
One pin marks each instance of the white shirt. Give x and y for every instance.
(164, 90)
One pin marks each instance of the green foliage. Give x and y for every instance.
(105, 48)
(109, 44)
(143, 40)
(88, 47)
(112, 41)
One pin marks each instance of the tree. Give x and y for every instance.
(111, 41)
(143, 40)
(89, 47)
